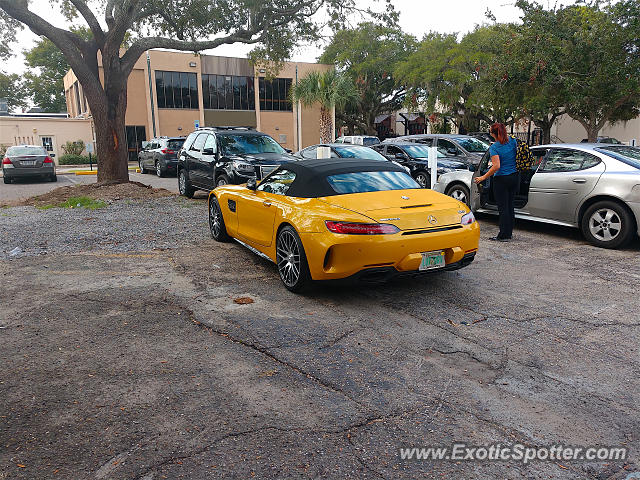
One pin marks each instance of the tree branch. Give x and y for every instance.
(91, 20)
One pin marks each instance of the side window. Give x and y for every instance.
(566, 160)
(189, 141)
(199, 143)
(392, 150)
(538, 157)
(426, 141)
(210, 144)
(348, 139)
(278, 183)
(310, 152)
(447, 148)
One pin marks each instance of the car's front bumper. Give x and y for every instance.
(28, 171)
(335, 256)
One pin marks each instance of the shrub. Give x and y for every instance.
(73, 148)
(77, 160)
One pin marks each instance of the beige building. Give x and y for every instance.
(51, 131)
(570, 131)
(171, 93)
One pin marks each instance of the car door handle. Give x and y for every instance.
(266, 203)
(579, 180)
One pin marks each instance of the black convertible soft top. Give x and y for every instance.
(311, 175)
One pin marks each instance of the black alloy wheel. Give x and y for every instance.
(216, 221)
(291, 260)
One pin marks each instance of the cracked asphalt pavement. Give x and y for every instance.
(140, 365)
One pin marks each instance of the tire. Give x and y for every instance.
(184, 185)
(222, 179)
(291, 260)
(53, 178)
(159, 171)
(6, 180)
(423, 179)
(608, 224)
(460, 193)
(217, 227)
(142, 170)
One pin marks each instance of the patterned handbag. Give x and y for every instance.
(524, 157)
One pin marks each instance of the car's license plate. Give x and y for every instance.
(432, 260)
(28, 163)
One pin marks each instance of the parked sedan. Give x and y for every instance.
(25, 161)
(467, 148)
(160, 155)
(338, 150)
(593, 187)
(416, 158)
(360, 219)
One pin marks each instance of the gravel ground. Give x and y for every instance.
(126, 356)
(110, 229)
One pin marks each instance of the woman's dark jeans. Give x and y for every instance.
(504, 190)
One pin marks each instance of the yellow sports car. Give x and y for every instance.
(327, 219)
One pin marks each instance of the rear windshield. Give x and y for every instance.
(368, 141)
(628, 155)
(248, 144)
(472, 144)
(360, 182)
(18, 151)
(175, 144)
(358, 152)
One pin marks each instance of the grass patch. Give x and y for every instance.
(77, 202)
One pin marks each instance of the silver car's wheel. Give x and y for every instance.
(605, 225)
(291, 260)
(423, 180)
(608, 224)
(460, 193)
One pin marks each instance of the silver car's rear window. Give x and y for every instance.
(624, 153)
(27, 150)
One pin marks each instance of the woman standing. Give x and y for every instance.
(506, 178)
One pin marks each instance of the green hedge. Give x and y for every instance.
(76, 160)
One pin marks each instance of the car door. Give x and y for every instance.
(449, 149)
(565, 177)
(207, 162)
(257, 208)
(391, 153)
(196, 175)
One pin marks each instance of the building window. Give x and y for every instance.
(228, 92)
(76, 90)
(274, 94)
(47, 143)
(176, 90)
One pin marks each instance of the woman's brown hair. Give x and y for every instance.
(500, 132)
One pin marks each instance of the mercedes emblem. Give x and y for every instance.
(432, 220)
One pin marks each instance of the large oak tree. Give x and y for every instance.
(273, 26)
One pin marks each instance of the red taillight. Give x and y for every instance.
(6, 161)
(48, 160)
(166, 150)
(353, 228)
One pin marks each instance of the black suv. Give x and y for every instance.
(214, 156)
(160, 155)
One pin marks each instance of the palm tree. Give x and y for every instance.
(330, 89)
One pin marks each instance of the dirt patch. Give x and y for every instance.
(107, 193)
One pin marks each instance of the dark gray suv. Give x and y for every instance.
(160, 155)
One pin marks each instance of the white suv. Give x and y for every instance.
(364, 140)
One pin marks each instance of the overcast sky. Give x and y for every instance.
(416, 17)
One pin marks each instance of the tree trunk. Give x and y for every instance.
(108, 111)
(326, 125)
(592, 133)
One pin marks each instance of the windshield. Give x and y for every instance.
(368, 141)
(628, 155)
(17, 151)
(358, 152)
(420, 151)
(360, 182)
(472, 144)
(248, 144)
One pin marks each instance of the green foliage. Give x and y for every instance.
(12, 88)
(74, 159)
(329, 89)
(368, 54)
(73, 148)
(77, 202)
